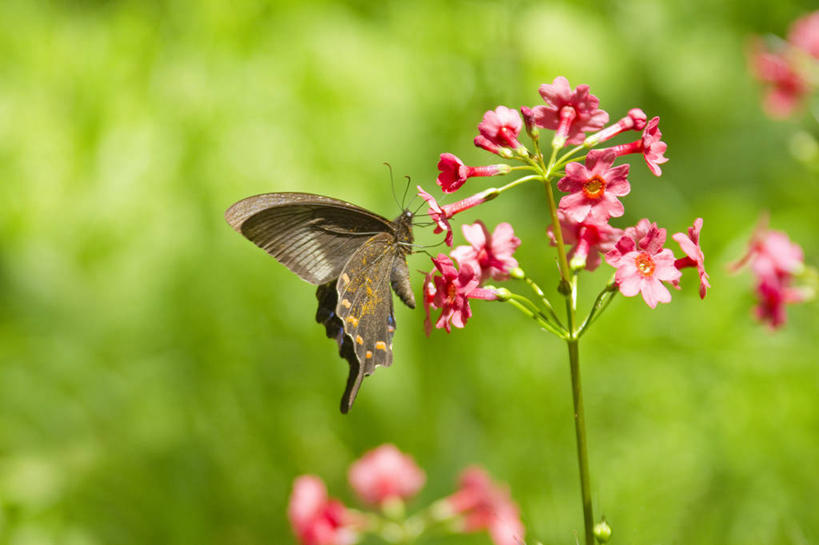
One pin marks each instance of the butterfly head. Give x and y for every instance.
(403, 229)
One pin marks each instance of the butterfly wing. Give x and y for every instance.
(365, 308)
(312, 235)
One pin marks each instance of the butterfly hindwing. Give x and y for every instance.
(312, 235)
(365, 308)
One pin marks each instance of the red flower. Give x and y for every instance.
(773, 295)
(385, 473)
(650, 145)
(804, 34)
(501, 128)
(442, 214)
(589, 238)
(451, 292)
(643, 264)
(787, 87)
(316, 519)
(690, 244)
(486, 506)
(571, 112)
(454, 173)
(594, 188)
(490, 255)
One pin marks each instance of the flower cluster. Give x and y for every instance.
(789, 68)
(593, 185)
(386, 478)
(777, 264)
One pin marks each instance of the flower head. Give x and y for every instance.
(438, 215)
(385, 473)
(690, 245)
(589, 239)
(787, 87)
(571, 112)
(643, 264)
(454, 172)
(451, 292)
(594, 188)
(501, 127)
(486, 506)
(804, 34)
(490, 255)
(316, 519)
(652, 147)
(442, 214)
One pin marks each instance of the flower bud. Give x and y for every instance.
(602, 531)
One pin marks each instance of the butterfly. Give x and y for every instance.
(353, 255)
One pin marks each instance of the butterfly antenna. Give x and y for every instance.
(406, 189)
(392, 186)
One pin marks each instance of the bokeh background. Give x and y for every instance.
(162, 380)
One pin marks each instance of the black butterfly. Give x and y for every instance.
(352, 254)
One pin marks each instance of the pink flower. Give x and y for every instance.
(316, 519)
(571, 112)
(804, 34)
(690, 245)
(643, 264)
(594, 188)
(635, 120)
(490, 255)
(501, 127)
(589, 238)
(454, 173)
(451, 292)
(787, 87)
(385, 473)
(486, 506)
(442, 214)
(649, 145)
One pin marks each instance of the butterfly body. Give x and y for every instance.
(354, 256)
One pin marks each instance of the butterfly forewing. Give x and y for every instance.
(312, 235)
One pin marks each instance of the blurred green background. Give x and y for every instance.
(162, 380)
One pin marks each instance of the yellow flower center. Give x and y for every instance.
(645, 264)
(594, 187)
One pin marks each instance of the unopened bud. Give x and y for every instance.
(602, 531)
(502, 294)
(517, 273)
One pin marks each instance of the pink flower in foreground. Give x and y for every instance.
(594, 188)
(690, 245)
(490, 255)
(635, 120)
(385, 473)
(316, 519)
(451, 292)
(588, 239)
(650, 145)
(454, 172)
(570, 112)
(486, 506)
(442, 214)
(787, 87)
(804, 34)
(643, 264)
(501, 127)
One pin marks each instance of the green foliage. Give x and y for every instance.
(162, 380)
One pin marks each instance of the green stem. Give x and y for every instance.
(537, 289)
(579, 413)
(531, 311)
(519, 181)
(600, 303)
(580, 434)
